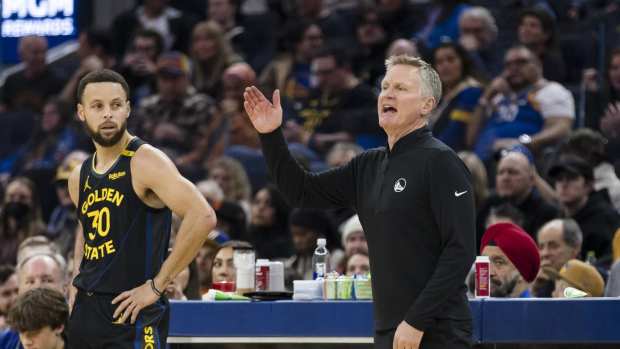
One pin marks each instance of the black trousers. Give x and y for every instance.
(445, 334)
(91, 325)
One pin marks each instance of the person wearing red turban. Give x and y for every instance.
(515, 260)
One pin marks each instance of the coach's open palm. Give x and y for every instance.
(264, 115)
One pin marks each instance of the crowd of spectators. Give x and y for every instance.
(526, 103)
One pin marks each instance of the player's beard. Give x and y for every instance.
(105, 142)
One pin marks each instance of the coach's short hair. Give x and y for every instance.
(431, 84)
(101, 75)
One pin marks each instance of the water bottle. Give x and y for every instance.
(591, 258)
(320, 259)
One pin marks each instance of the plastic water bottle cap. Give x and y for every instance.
(321, 242)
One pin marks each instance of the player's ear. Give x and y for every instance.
(128, 108)
(80, 112)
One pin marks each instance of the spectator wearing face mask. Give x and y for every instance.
(20, 217)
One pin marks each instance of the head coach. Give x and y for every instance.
(414, 199)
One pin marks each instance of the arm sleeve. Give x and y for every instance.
(330, 189)
(452, 204)
(555, 100)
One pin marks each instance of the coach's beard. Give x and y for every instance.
(105, 142)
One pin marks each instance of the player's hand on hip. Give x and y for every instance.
(407, 337)
(131, 302)
(264, 115)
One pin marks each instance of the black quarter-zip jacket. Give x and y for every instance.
(416, 205)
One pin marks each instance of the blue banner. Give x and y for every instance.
(54, 19)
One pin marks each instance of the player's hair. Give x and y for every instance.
(38, 308)
(102, 75)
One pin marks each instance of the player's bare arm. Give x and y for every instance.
(78, 249)
(158, 183)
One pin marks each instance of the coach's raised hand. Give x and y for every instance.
(265, 116)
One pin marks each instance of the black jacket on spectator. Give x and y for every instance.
(271, 242)
(126, 24)
(598, 221)
(554, 68)
(353, 111)
(536, 212)
(487, 62)
(20, 93)
(596, 104)
(404, 21)
(255, 40)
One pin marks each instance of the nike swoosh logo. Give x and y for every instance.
(457, 194)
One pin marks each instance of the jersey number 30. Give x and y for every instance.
(101, 222)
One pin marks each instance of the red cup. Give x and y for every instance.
(262, 278)
(224, 286)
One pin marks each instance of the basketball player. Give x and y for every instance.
(124, 195)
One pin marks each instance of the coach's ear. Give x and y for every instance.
(80, 112)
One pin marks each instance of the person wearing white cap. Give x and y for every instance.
(353, 238)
